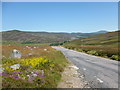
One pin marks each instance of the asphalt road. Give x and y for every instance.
(98, 72)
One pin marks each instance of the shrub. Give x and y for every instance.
(34, 62)
(115, 57)
(56, 44)
(68, 47)
(92, 52)
(80, 50)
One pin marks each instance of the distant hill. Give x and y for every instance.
(82, 35)
(35, 37)
(101, 32)
(42, 37)
(110, 38)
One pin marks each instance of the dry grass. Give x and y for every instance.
(36, 51)
(52, 73)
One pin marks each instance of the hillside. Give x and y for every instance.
(35, 37)
(82, 35)
(41, 37)
(110, 38)
(105, 45)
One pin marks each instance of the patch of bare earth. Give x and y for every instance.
(70, 78)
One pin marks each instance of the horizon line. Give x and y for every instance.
(58, 31)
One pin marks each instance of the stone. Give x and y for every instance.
(3, 56)
(15, 67)
(34, 47)
(29, 54)
(45, 49)
(2, 70)
(35, 75)
(16, 54)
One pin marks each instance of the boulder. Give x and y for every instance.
(15, 66)
(16, 54)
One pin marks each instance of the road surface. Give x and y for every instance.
(98, 72)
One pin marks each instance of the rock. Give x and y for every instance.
(28, 76)
(45, 49)
(39, 71)
(29, 54)
(15, 67)
(74, 67)
(3, 56)
(16, 54)
(34, 75)
(2, 70)
(34, 47)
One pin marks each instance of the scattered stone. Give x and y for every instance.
(34, 47)
(39, 71)
(26, 46)
(29, 54)
(28, 76)
(2, 70)
(15, 67)
(32, 72)
(35, 75)
(3, 56)
(70, 78)
(45, 49)
(74, 67)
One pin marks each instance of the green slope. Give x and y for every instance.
(34, 37)
(110, 38)
(105, 45)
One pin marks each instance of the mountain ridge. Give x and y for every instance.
(42, 37)
(99, 39)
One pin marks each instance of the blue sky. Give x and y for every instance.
(60, 16)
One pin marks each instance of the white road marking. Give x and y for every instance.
(100, 80)
(84, 68)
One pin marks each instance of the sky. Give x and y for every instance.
(60, 16)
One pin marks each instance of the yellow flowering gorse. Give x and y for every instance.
(34, 61)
